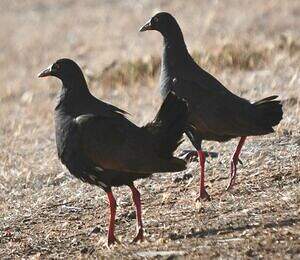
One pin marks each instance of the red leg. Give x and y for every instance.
(233, 162)
(111, 239)
(137, 201)
(203, 193)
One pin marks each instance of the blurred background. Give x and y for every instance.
(253, 47)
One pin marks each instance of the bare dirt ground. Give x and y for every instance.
(253, 47)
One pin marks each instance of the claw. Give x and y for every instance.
(192, 156)
(189, 156)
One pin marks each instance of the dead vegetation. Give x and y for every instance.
(227, 57)
(45, 213)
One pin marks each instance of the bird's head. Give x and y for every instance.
(63, 69)
(164, 23)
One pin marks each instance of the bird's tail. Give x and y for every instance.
(269, 112)
(169, 126)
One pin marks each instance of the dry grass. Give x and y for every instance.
(253, 47)
(241, 56)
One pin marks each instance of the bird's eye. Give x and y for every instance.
(56, 66)
(155, 19)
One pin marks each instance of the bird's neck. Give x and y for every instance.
(73, 93)
(174, 39)
(174, 48)
(175, 55)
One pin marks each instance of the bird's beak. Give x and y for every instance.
(146, 27)
(46, 72)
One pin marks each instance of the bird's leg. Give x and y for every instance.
(234, 161)
(111, 239)
(136, 196)
(203, 194)
(196, 140)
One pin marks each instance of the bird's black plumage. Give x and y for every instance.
(215, 112)
(99, 145)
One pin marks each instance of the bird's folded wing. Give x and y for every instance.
(219, 112)
(192, 72)
(104, 109)
(116, 144)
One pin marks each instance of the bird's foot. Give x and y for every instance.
(189, 155)
(192, 155)
(211, 154)
(112, 240)
(230, 184)
(203, 196)
(139, 236)
(233, 170)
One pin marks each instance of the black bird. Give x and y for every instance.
(100, 146)
(215, 113)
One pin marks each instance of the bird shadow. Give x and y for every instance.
(227, 230)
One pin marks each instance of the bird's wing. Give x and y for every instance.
(117, 144)
(116, 109)
(216, 111)
(101, 108)
(191, 71)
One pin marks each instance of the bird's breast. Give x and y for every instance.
(165, 81)
(64, 126)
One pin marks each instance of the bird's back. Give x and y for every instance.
(177, 62)
(221, 116)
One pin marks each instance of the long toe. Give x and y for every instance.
(189, 155)
(211, 154)
(139, 236)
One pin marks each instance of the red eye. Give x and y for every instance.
(56, 66)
